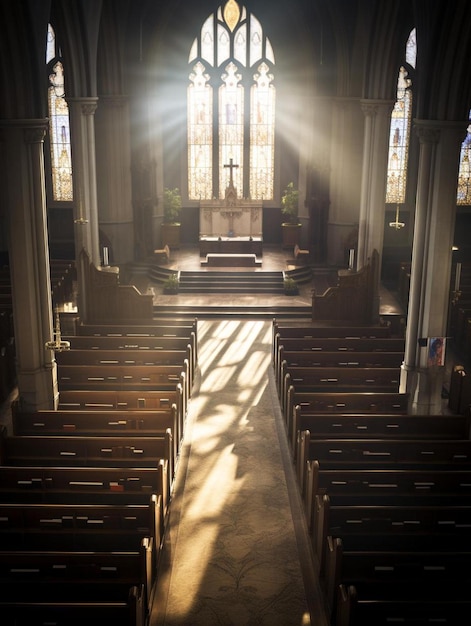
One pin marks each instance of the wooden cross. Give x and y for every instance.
(231, 166)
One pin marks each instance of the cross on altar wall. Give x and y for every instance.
(231, 166)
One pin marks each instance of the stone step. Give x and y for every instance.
(233, 312)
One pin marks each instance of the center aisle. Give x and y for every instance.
(236, 549)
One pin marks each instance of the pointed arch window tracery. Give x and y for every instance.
(231, 106)
(59, 126)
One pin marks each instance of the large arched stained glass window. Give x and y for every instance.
(231, 107)
(59, 129)
(399, 136)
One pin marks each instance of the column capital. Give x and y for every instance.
(430, 131)
(88, 106)
(372, 107)
(34, 130)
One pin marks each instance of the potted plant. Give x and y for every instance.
(170, 229)
(291, 227)
(172, 283)
(290, 286)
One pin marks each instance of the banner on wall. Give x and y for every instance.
(436, 351)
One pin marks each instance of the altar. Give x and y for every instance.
(232, 224)
(243, 219)
(231, 245)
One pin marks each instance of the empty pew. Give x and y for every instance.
(352, 610)
(93, 451)
(126, 378)
(379, 425)
(368, 402)
(114, 423)
(381, 454)
(299, 358)
(317, 379)
(349, 487)
(400, 577)
(394, 526)
(76, 576)
(338, 344)
(119, 400)
(282, 330)
(84, 485)
(84, 527)
(80, 342)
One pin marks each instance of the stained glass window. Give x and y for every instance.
(464, 177)
(59, 128)
(231, 107)
(399, 141)
(399, 134)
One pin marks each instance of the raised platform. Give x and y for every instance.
(231, 260)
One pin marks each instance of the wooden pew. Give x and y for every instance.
(79, 342)
(352, 610)
(76, 576)
(120, 400)
(338, 344)
(130, 357)
(282, 330)
(394, 526)
(87, 423)
(381, 454)
(317, 379)
(84, 485)
(348, 360)
(379, 426)
(349, 487)
(81, 451)
(84, 527)
(126, 378)
(130, 612)
(400, 577)
(367, 402)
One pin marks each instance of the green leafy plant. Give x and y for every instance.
(172, 283)
(172, 205)
(290, 204)
(290, 285)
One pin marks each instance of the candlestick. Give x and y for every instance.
(105, 257)
(351, 258)
(457, 276)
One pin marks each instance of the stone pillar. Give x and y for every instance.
(114, 176)
(82, 122)
(345, 177)
(24, 196)
(373, 184)
(431, 260)
(82, 112)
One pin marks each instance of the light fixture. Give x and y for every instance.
(397, 224)
(57, 345)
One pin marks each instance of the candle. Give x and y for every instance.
(105, 257)
(457, 276)
(351, 258)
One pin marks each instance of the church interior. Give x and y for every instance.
(235, 312)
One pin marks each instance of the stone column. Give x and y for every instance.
(25, 199)
(345, 177)
(431, 260)
(82, 111)
(373, 184)
(114, 175)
